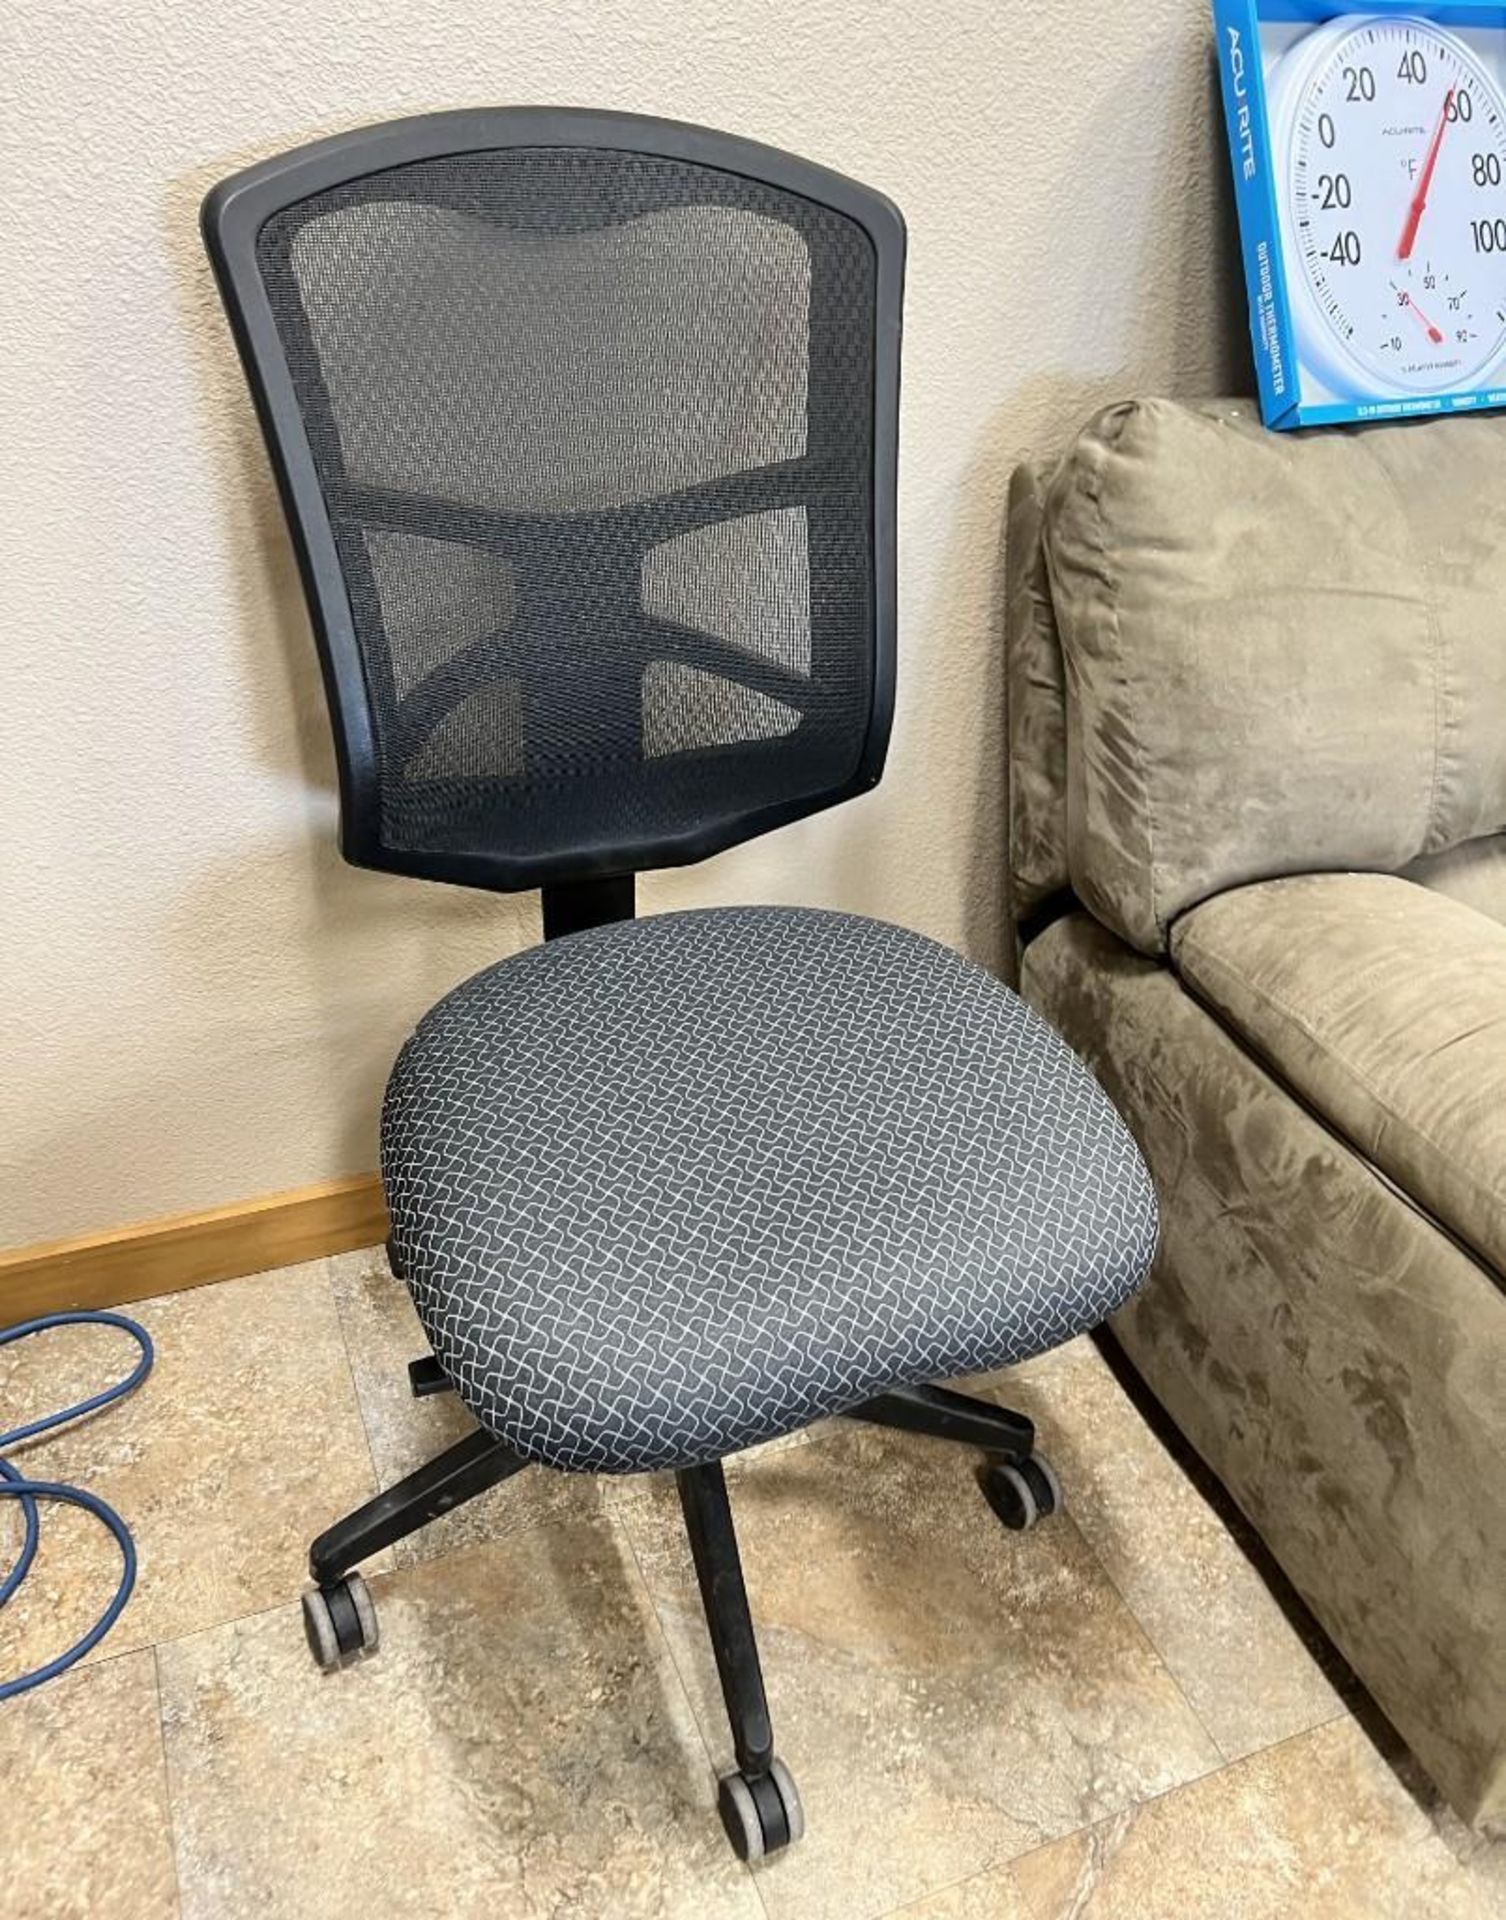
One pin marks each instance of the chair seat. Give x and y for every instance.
(673, 1186)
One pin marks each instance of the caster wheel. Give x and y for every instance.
(340, 1622)
(761, 1812)
(1021, 1492)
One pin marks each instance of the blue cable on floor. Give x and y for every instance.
(15, 1486)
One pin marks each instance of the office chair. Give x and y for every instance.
(585, 426)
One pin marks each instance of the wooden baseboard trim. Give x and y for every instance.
(191, 1249)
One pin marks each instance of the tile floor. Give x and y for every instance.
(1110, 1718)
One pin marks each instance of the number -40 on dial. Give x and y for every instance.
(1390, 158)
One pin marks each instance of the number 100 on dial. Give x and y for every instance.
(1370, 171)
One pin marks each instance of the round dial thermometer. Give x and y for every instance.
(1390, 144)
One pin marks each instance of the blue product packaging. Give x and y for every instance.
(1369, 156)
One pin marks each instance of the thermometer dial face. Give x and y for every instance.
(1393, 205)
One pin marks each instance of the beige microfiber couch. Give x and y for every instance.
(1257, 734)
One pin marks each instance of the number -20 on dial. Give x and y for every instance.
(1390, 149)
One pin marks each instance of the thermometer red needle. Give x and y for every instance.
(1422, 320)
(1420, 198)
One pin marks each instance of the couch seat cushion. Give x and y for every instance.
(1383, 1005)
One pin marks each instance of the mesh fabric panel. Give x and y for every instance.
(594, 430)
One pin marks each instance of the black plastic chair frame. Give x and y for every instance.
(233, 216)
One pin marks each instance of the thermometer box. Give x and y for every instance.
(1308, 371)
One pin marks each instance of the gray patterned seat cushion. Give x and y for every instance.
(673, 1186)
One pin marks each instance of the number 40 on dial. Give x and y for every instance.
(1388, 143)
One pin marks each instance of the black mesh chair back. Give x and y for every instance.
(585, 426)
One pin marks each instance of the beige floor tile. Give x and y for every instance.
(946, 1694)
(519, 1746)
(382, 1334)
(83, 1803)
(990, 1895)
(244, 1442)
(1208, 1611)
(1318, 1828)
(978, 1724)
(1482, 1856)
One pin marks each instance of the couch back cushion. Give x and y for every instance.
(1036, 704)
(1474, 874)
(1283, 653)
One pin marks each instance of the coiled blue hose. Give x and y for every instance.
(15, 1486)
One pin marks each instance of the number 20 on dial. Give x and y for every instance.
(1389, 138)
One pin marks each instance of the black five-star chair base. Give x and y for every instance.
(759, 1805)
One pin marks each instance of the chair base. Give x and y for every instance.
(439, 1486)
(944, 1415)
(758, 1802)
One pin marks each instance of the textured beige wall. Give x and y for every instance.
(198, 1002)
